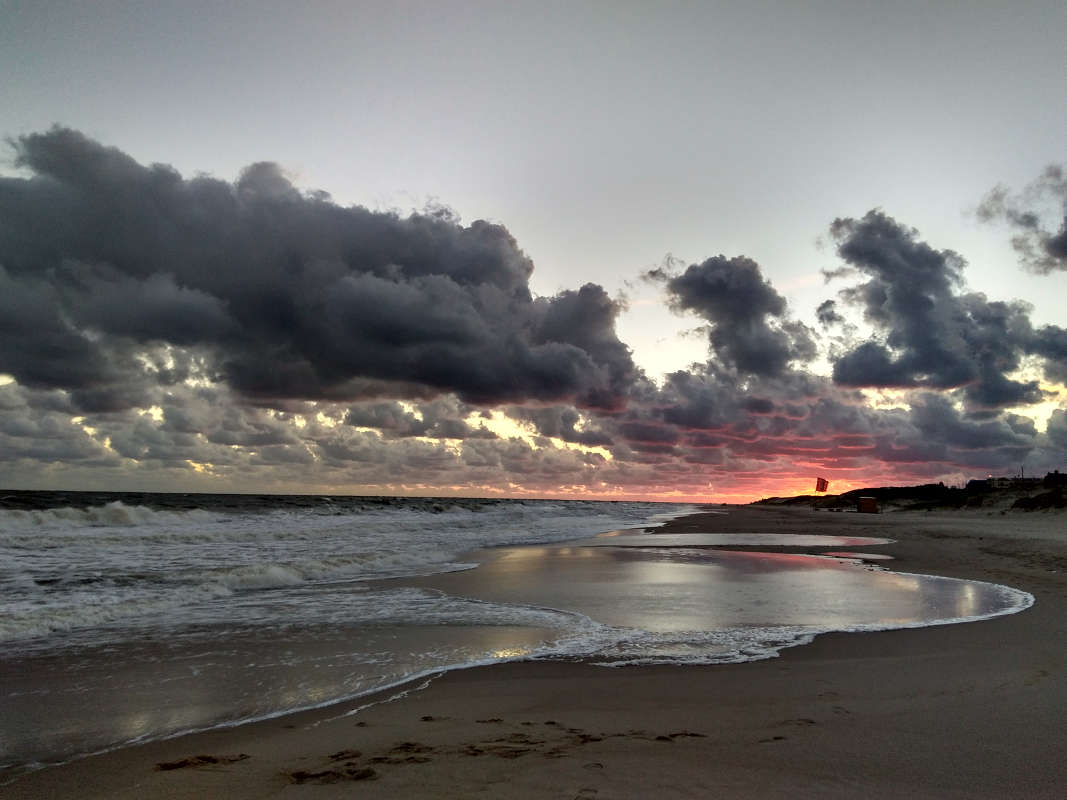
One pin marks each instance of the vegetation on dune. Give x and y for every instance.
(1026, 494)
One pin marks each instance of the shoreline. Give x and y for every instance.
(959, 710)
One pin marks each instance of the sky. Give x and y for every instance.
(679, 251)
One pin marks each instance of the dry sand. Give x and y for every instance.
(959, 711)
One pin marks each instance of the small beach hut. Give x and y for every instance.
(867, 505)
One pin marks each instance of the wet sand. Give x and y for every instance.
(957, 711)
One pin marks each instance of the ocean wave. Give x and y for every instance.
(67, 568)
(115, 514)
(81, 610)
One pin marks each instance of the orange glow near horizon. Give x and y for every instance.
(742, 490)
(746, 491)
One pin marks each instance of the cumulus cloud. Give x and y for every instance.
(1050, 343)
(443, 418)
(35, 427)
(931, 333)
(1057, 429)
(827, 314)
(1038, 215)
(278, 293)
(749, 329)
(935, 418)
(249, 335)
(561, 422)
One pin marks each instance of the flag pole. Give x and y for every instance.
(821, 485)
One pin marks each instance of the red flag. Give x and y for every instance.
(821, 484)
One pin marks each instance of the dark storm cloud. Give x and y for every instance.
(871, 364)
(279, 294)
(909, 296)
(41, 347)
(390, 418)
(36, 426)
(994, 333)
(758, 405)
(932, 335)
(142, 440)
(827, 314)
(1057, 429)
(102, 299)
(586, 319)
(748, 326)
(213, 413)
(707, 417)
(249, 428)
(1042, 247)
(234, 332)
(347, 449)
(698, 400)
(937, 420)
(1050, 343)
(443, 418)
(560, 422)
(641, 432)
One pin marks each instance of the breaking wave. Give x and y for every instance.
(71, 567)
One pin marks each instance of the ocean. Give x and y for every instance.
(129, 617)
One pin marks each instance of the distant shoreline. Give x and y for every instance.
(997, 494)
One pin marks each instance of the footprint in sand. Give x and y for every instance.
(517, 738)
(670, 737)
(405, 753)
(332, 775)
(201, 761)
(410, 747)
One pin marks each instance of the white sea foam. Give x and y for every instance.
(114, 514)
(66, 569)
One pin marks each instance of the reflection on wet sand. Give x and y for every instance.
(695, 588)
(621, 603)
(636, 537)
(98, 697)
(857, 556)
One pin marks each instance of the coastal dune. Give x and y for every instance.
(951, 711)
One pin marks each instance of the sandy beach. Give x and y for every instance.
(954, 711)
